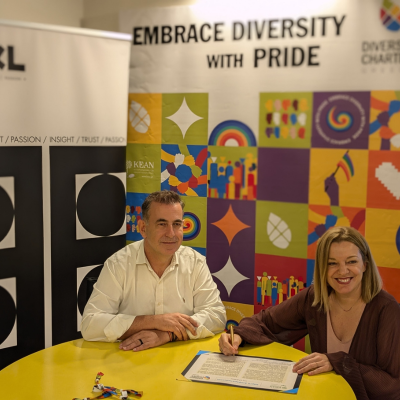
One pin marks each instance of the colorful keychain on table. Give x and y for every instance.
(108, 391)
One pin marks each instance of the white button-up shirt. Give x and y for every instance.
(128, 286)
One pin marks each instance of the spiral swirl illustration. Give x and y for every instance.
(340, 122)
(191, 226)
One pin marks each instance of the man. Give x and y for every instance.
(155, 290)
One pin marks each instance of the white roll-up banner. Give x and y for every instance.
(63, 113)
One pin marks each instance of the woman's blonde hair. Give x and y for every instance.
(371, 283)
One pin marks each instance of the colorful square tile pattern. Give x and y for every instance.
(256, 206)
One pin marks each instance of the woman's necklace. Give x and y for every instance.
(350, 307)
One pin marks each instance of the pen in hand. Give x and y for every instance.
(232, 334)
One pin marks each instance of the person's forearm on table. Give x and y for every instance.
(104, 327)
(140, 323)
(208, 322)
(173, 322)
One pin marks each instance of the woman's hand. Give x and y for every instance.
(314, 364)
(226, 346)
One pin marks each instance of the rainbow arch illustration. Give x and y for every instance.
(229, 323)
(232, 133)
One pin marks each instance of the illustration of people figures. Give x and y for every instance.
(133, 220)
(233, 182)
(266, 288)
(271, 292)
(274, 291)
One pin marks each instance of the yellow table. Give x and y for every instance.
(68, 370)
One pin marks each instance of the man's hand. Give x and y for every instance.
(144, 340)
(227, 347)
(314, 364)
(177, 323)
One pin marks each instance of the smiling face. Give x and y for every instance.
(345, 269)
(163, 231)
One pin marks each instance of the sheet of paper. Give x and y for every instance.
(244, 371)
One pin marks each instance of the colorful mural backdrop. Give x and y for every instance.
(268, 153)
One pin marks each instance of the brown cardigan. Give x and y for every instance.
(372, 367)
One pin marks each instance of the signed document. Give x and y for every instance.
(243, 371)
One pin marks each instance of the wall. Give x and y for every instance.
(93, 14)
(55, 12)
(104, 14)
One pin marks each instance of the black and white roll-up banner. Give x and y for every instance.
(63, 113)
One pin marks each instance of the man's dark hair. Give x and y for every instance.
(162, 197)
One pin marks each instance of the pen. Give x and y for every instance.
(231, 330)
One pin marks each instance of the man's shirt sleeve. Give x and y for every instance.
(100, 320)
(209, 311)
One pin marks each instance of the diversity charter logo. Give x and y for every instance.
(390, 15)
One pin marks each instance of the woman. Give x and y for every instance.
(354, 325)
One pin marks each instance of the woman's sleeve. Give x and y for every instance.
(284, 323)
(380, 381)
